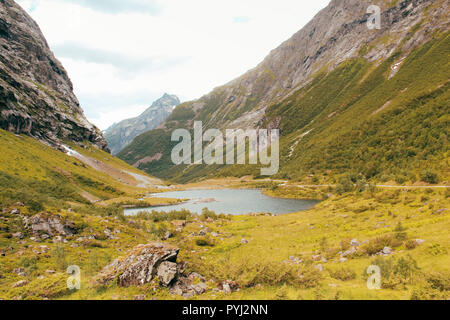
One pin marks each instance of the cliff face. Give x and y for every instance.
(36, 94)
(315, 86)
(122, 134)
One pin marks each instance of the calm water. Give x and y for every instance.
(235, 202)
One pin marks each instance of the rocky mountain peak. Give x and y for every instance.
(36, 94)
(123, 133)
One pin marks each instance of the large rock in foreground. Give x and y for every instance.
(142, 265)
(148, 262)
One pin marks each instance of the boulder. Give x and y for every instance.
(20, 284)
(18, 235)
(228, 286)
(387, 251)
(349, 252)
(167, 235)
(167, 272)
(142, 265)
(179, 223)
(49, 224)
(154, 260)
(20, 272)
(355, 243)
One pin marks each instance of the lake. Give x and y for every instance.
(229, 201)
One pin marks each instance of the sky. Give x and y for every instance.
(122, 55)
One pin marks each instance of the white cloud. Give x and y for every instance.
(121, 57)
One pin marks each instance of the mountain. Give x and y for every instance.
(122, 134)
(347, 99)
(36, 94)
(39, 117)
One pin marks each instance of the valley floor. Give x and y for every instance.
(322, 253)
(60, 210)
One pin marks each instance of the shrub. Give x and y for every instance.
(29, 263)
(35, 206)
(208, 214)
(439, 281)
(429, 176)
(158, 216)
(397, 272)
(251, 274)
(157, 230)
(60, 256)
(411, 244)
(343, 274)
(378, 244)
(204, 242)
(344, 185)
(400, 233)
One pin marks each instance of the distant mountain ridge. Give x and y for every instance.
(121, 134)
(347, 99)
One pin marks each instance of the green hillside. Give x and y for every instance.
(42, 177)
(359, 118)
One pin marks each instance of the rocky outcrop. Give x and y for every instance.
(45, 226)
(36, 94)
(142, 265)
(145, 263)
(123, 133)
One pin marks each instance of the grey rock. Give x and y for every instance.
(226, 288)
(349, 252)
(18, 235)
(20, 284)
(141, 266)
(49, 224)
(167, 235)
(167, 272)
(20, 271)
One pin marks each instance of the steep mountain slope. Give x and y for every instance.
(36, 94)
(346, 98)
(50, 154)
(122, 134)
